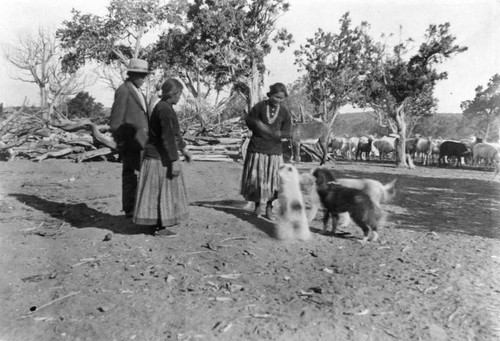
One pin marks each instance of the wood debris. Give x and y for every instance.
(27, 135)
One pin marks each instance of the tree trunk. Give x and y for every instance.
(43, 97)
(488, 127)
(331, 120)
(253, 86)
(323, 103)
(50, 111)
(198, 100)
(498, 128)
(401, 141)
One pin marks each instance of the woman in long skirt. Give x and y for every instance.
(161, 195)
(269, 122)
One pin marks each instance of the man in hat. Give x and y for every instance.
(129, 125)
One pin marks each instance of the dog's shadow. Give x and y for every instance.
(240, 210)
(340, 234)
(80, 215)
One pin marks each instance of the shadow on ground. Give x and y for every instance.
(467, 206)
(237, 208)
(80, 215)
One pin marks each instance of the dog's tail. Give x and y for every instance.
(389, 191)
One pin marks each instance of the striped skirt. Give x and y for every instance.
(159, 201)
(260, 178)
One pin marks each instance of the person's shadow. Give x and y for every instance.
(80, 215)
(237, 209)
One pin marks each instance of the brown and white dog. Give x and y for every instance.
(360, 198)
(292, 220)
(378, 192)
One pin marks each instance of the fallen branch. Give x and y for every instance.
(108, 142)
(54, 154)
(93, 153)
(35, 309)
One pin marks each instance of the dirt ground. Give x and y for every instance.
(74, 268)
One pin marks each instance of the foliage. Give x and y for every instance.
(84, 106)
(335, 65)
(395, 84)
(484, 109)
(223, 42)
(394, 79)
(298, 101)
(115, 37)
(439, 125)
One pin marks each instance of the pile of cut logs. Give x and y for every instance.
(25, 135)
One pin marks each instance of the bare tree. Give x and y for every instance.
(37, 60)
(32, 57)
(63, 85)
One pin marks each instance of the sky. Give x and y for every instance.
(473, 22)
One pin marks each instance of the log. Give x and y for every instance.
(218, 154)
(57, 153)
(219, 158)
(68, 125)
(216, 147)
(93, 153)
(223, 140)
(86, 124)
(68, 137)
(107, 141)
(80, 143)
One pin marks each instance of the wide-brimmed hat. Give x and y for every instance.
(138, 66)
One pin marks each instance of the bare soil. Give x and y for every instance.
(74, 268)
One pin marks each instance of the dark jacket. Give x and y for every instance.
(165, 139)
(129, 119)
(262, 141)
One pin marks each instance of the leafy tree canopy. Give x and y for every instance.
(84, 106)
(485, 107)
(224, 41)
(335, 65)
(394, 79)
(116, 36)
(396, 86)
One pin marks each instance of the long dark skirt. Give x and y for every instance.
(260, 181)
(160, 201)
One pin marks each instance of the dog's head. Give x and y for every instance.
(322, 175)
(389, 191)
(288, 173)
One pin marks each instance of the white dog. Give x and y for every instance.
(292, 220)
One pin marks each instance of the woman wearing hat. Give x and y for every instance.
(129, 125)
(269, 122)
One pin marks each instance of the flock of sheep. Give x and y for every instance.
(430, 151)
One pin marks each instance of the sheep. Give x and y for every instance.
(353, 147)
(385, 145)
(364, 146)
(485, 151)
(422, 146)
(339, 145)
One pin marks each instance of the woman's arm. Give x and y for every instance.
(168, 120)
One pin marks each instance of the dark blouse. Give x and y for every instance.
(165, 139)
(261, 141)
